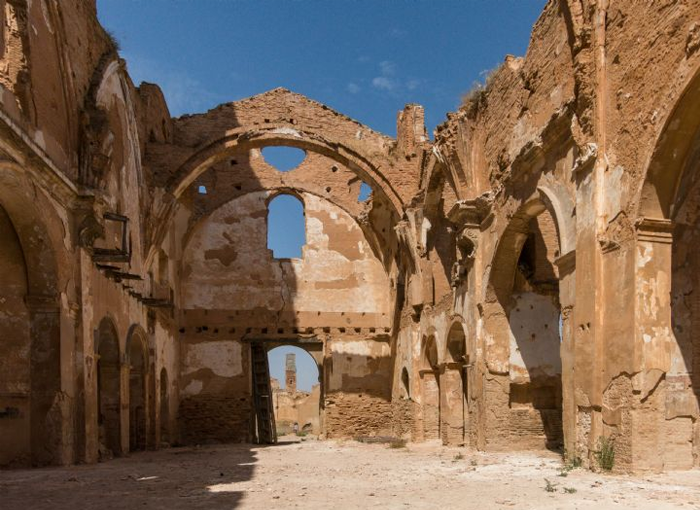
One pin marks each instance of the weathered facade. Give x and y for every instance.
(526, 280)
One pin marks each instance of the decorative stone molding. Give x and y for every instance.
(467, 216)
(654, 230)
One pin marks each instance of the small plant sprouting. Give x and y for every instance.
(571, 461)
(549, 486)
(570, 490)
(459, 456)
(113, 41)
(605, 455)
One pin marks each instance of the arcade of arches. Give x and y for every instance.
(523, 280)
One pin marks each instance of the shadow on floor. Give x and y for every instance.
(190, 477)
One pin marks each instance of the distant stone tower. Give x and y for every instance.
(291, 373)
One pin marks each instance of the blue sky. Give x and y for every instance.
(364, 58)
(307, 372)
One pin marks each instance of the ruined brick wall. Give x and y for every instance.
(70, 132)
(227, 264)
(216, 397)
(590, 139)
(577, 127)
(215, 419)
(357, 388)
(15, 445)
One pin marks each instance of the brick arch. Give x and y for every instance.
(548, 197)
(141, 400)
(429, 352)
(678, 140)
(500, 324)
(456, 333)
(297, 192)
(19, 200)
(136, 334)
(17, 197)
(109, 393)
(273, 135)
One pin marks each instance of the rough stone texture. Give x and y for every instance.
(525, 280)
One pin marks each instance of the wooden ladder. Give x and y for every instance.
(262, 395)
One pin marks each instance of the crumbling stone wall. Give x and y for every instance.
(589, 141)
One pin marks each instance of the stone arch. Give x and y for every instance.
(530, 283)
(315, 352)
(439, 181)
(456, 343)
(37, 276)
(429, 358)
(370, 236)
(668, 231)
(138, 365)
(257, 138)
(108, 389)
(453, 387)
(676, 143)
(440, 196)
(429, 372)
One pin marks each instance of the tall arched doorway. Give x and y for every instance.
(34, 415)
(138, 408)
(430, 389)
(296, 391)
(108, 390)
(453, 385)
(530, 285)
(668, 233)
(15, 346)
(164, 407)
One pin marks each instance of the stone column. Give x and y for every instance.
(50, 417)
(566, 266)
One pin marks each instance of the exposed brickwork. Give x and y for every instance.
(350, 415)
(212, 419)
(552, 221)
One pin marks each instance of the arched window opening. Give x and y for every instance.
(456, 346)
(365, 192)
(137, 393)
(15, 344)
(430, 389)
(286, 227)
(108, 391)
(430, 355)
(536, 332)
(296, 391)
(283, 158)
(453, 384)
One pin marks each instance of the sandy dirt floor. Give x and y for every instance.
(329, 474)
